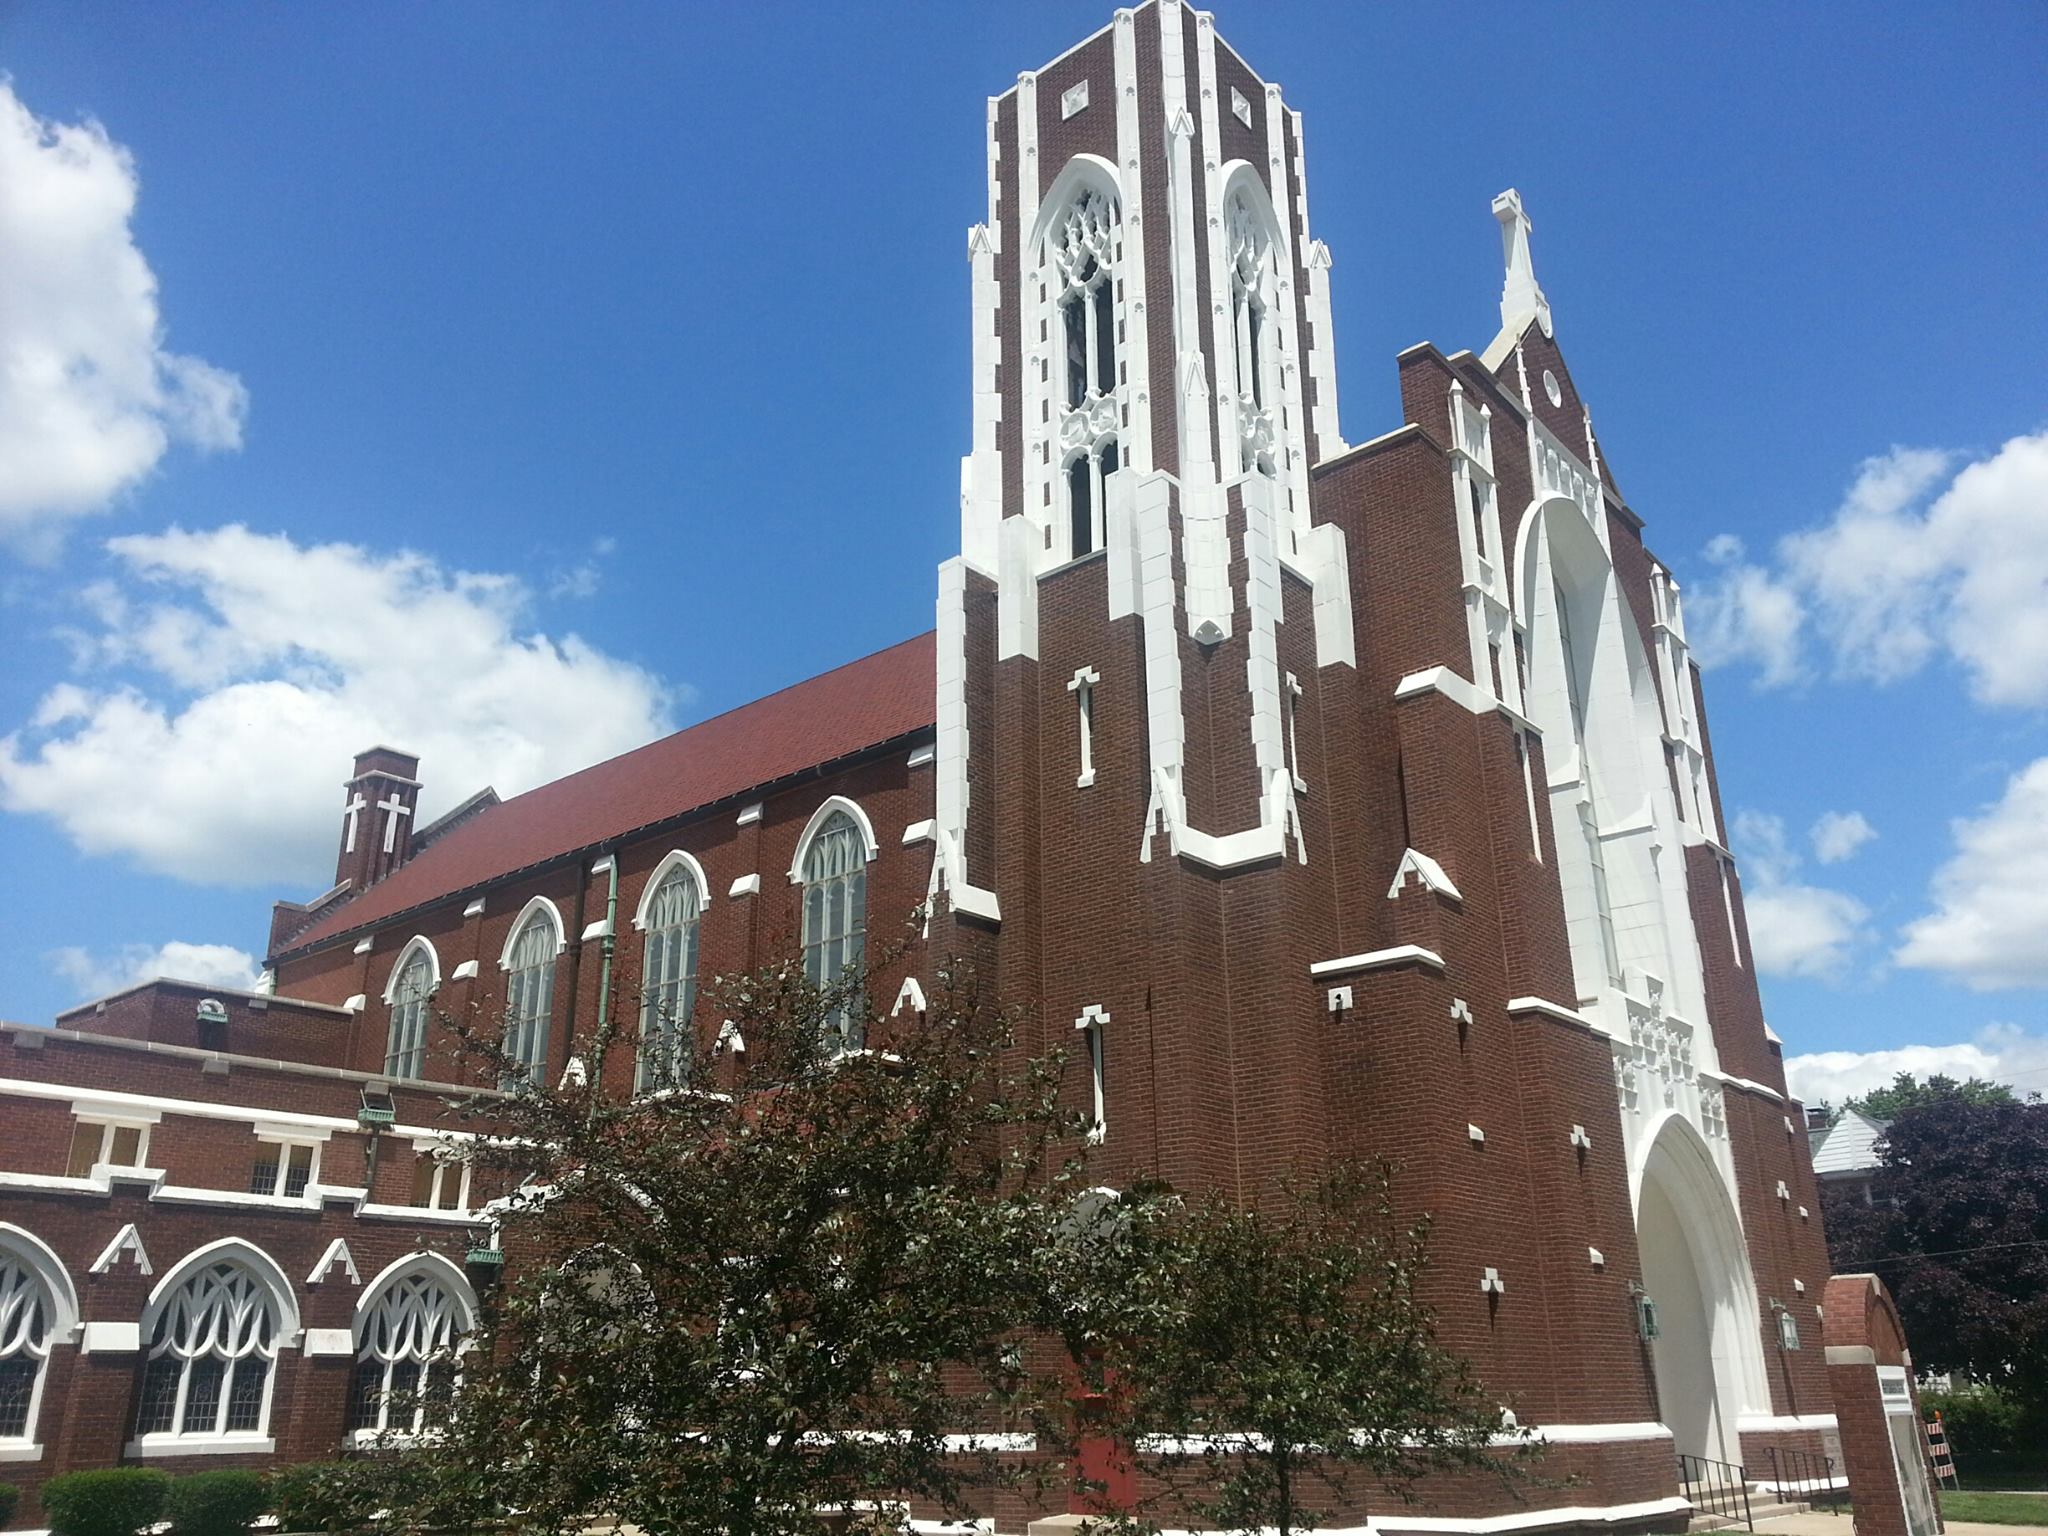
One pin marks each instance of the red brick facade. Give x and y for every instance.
(1315, 864)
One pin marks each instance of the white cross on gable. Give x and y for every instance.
(395, 808)
(356, 806)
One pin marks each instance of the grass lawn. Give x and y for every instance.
(1996, 1508)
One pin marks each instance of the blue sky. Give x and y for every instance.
(610, 364)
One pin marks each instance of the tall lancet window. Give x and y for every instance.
(529, 995)
(835, 917)
(405, 1051)
(1083, 249)
(1254, 292)
(668, 984)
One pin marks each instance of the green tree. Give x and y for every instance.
(1297, 1359)
(777, 1287)
(1906, 1092)
(1957, 1226)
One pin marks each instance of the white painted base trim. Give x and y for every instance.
(1526, 1520)
(1600, 1434)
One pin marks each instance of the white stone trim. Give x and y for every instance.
(1851, 1354)
(110, 1338)
(201, 1445)
(1771, 1423)
(475, 908)
(285, 1123)
(1544, 1005)
(925, 831)
(128, 1241)
(330, 1341)
(910, 995)
(673, 860)
(749, 815)
(538, 905)
(417, 944)
(336, 1253)
(870, 848)
(744, 885)
(1400, 954)
(1426, 871)
(463, 972)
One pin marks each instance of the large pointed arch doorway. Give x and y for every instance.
(1708, 1348)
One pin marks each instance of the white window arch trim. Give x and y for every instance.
(870, 848)
(287, 1335)
(40, 1268)
(536, 906)
(418, 944)
(673, 860)
(221, 1251)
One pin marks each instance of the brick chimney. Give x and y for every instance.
(377, 816)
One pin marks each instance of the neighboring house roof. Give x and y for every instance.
(820, 720)
(1849, 1145)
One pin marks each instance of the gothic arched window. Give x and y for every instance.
(529, 993)
(26, 1310)
(405, 1051)
(1254, 280)
(210, 1357)
(405, 1356)
(1083, 285)
(835, 872)
(668, 983)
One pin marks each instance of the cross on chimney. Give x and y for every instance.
(385, 781)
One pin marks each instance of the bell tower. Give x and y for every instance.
(1134, 637)
(377, 814)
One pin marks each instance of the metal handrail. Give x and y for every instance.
(1718, 1488)
(1806, 1476)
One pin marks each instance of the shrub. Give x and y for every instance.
(323, 1496)
(10, 1497)
(117, 1501)
(1990, 1435)
(223, 1503)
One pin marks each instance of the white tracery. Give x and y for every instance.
(1254, 281)
(1083, 250)
(210, 1356)
(25, 1323)
(405, 1356)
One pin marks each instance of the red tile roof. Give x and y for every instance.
(820, 720)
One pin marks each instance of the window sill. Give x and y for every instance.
(16, 1450)
(200, 1445)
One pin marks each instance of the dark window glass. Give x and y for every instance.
(1080, 506)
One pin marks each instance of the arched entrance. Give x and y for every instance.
(1708, 1353)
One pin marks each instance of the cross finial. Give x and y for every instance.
(393, 807)
(1520, 298)
(355, 807)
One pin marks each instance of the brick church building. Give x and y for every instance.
(1346, 797)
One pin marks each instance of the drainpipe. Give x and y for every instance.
(604, 973)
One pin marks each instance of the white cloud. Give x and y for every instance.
(1838, 834)
(256, 669)
(1747, 614)
(1989, 926)
(1895, 578)
(1795, 929)
(2001, 1053)
(89, 398)
(211, 965)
